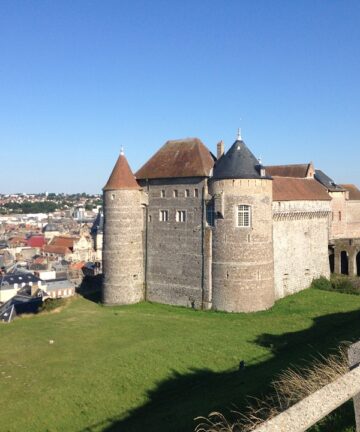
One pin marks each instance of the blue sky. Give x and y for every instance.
(78, 79)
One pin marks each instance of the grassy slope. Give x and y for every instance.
(154, 367)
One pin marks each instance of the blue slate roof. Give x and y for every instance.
(238, 163)
(10, 279)
(328, 182)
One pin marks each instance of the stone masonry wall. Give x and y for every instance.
(242, 270)
(300, 233)
(123, 247)
(175, 259)
(353, 219)
(338, 215)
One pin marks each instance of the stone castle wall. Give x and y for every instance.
(337, 226)
(300, 230)
(123, 263)
(353, 219)
(242, 268)
(175, 258)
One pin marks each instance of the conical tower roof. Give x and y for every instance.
(121, 176)
(238, 163)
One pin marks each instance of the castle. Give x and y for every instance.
(225, 232)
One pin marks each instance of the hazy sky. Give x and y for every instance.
(78, 79)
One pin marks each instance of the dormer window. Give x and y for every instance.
(243, 216)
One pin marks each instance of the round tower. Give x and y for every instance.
(123, 267)
(243, 265)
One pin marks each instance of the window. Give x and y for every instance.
(164, 215)
(187, 193)
(112, 196)
(210, 213)
(181, 216)
(175, 193)
(162, 193)
(196, 193)
(339, 216)
(243, 216)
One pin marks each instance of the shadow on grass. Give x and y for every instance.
(90, 288)
(175, 402)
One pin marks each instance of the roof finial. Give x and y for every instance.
(122, 151)
(239, 135)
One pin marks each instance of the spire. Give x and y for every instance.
(238, 138)
(121, 176)
(122, 151)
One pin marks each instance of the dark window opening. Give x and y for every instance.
(344, 263)
(210, 213)
(358, 264)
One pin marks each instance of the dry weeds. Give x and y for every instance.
(291, 386)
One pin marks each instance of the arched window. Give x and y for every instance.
(243, 216)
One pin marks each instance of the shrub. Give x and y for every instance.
(322, 284)
(338, 283)
(345, 284)
(52, 304)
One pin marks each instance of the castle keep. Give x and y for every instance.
(224, 232)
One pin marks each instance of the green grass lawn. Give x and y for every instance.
(152, 367)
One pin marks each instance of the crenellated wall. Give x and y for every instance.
(300, 232)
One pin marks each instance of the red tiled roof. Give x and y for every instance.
(179, 158)
(63, 241)
(39, 260)
(36, 241)
(298, 189)
(297, 170)
(17, 241)
(121, 176)
(77, 266)
(59, 250)
(354, 192)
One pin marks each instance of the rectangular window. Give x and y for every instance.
(196, 193)
(243, 216)
(181, 216)
(175, 193)
(210, 213)
(187, 193)
(162, 193)
(164, 215)
(339, 216)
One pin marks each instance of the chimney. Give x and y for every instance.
(220, 149)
